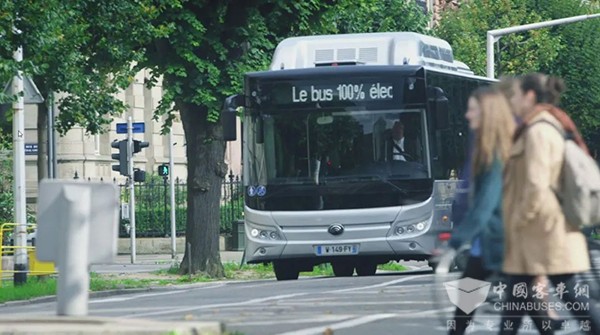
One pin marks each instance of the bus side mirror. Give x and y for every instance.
(438, 102)
(228, 116)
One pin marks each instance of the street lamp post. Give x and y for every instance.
(494, 36)
(20, 233)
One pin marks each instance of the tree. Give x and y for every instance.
(466, 28)
(577, 64)
(201, 55)
(348, 16)
(567, 50)
(82, 49)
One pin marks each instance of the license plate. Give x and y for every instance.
(339, 249)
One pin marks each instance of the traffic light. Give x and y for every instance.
(139, 145)
(139, 176)
(122, 167)
(163, 170)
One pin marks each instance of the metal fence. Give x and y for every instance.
(153, 206)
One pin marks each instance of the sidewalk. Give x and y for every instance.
(154, 262)
(143, 263)
(226, 256)
(61, 325)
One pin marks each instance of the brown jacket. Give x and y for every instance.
(538, 240)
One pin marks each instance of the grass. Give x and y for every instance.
(392, 266)
(35, 287)
(39, 286)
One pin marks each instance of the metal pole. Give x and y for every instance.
(50, 136)
(490, 55)
(131, 186)
(165, 205)
(172, 191)
(231, 219)
(20, 232)
(494, 35)
(54, 135)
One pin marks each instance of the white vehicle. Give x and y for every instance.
(324, 182)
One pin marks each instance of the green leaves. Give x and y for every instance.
(83, 49)
(348, 16)
(569, 51)
(466, 28)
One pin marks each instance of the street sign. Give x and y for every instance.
(138, 127)
(31, 94)
(31, 148)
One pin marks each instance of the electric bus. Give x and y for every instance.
(351, 149)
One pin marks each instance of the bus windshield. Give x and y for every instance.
(386, 149)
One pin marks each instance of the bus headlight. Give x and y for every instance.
(412, 228)
(265, 234)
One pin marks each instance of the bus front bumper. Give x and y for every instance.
(388, 248)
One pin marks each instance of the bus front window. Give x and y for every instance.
(317, 146)
(338, 159)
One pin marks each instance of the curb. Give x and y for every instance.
(95, 294)
(125, 291)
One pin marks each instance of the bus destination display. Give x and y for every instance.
(352, 92)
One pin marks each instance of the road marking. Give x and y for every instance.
(242, 303)
(341, 325)
(377, 285)
(138, 296)
(266, 299)
(313, 319)
(156, 294)
(427, 312)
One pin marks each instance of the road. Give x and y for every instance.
(387, 303)
(410, 302)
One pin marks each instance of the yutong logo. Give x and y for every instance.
(336, 229)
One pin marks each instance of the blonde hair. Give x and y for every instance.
(493, 139)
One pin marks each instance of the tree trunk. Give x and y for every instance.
(205, 152)
(42, 132)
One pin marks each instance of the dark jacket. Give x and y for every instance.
(483, 219)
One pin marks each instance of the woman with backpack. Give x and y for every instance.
(491, 125)
(538, 239)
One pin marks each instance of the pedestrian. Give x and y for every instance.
(491, 125)
(538, 240)
(506, 86)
